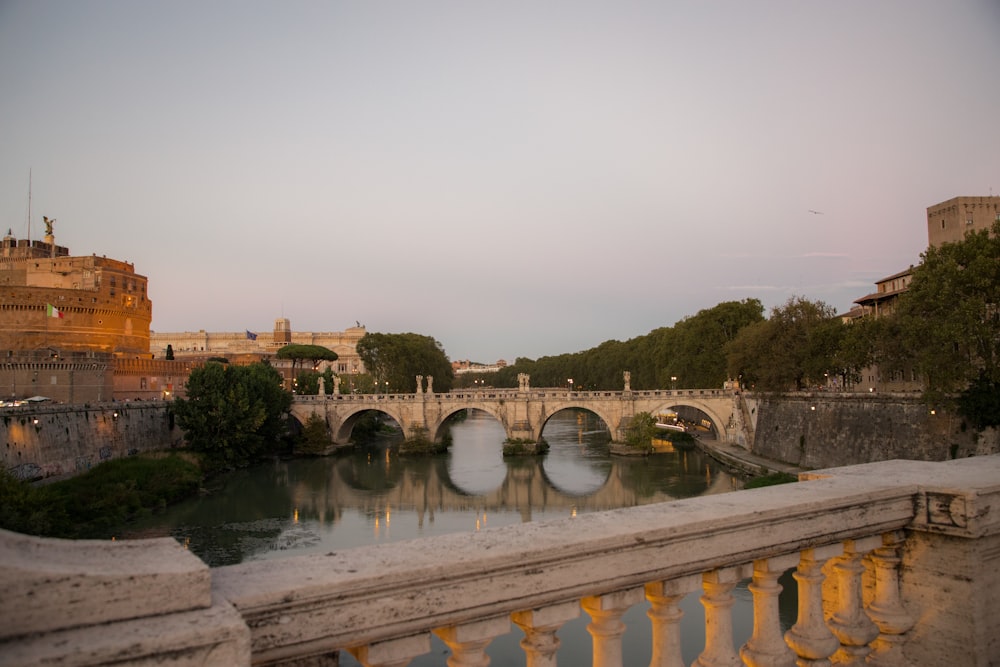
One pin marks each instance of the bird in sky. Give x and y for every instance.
(816, 212)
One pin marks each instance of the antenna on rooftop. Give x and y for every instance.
(29, 205)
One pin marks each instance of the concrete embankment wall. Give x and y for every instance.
(55, 440)
(823, 430)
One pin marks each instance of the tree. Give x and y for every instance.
(792, 349)
(695, 355)
(397, 359)
(949, 317)
(313, 353)
(233, 413)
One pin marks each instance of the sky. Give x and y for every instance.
(514, 179)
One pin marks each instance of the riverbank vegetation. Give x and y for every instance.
(99, 502)
(234, 414)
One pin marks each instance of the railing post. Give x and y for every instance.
(811, 640)
(606, 627)
(468, 641)
(718, 602)
(392, 653)
(540, 643)
(886, 609)
(849, 622)
(665, 615)
(767, 647)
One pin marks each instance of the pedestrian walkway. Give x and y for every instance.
(740, 459)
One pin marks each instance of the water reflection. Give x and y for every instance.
(375, 495)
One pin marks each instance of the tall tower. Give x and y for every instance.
(282, 331)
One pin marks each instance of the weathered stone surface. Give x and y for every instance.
(51, 584)
(205, 637)
(825, 430)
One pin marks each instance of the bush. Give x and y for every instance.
(99, 502)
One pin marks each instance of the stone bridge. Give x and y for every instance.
(522, 412)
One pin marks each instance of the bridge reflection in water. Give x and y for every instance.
(374, 495)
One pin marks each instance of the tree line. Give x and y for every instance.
(944, 329)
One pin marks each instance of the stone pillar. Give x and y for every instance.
(849, 622)
(718, 602)
(606, 627)
(468, 642)
(886, 609)
(665, 616)
(392, 653)
(767, 647)
(540, 643)
(811, 640)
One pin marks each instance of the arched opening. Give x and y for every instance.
(475, 458)
(577, 462)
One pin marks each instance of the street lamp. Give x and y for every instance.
(570, 385)
(673, 381)
(386, 387)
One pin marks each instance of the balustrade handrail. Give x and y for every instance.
(937, 524)
(531, 394)
(356, 597)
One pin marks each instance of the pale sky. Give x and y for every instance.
(512, 178)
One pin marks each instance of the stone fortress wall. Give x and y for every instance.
(62, 440)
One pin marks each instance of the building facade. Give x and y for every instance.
(249, 346)
(950, 220)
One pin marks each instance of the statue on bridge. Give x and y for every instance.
(336, 385)
(322, 386)
(628, 380)
(523, 381)
(430, 384)
(420, 384)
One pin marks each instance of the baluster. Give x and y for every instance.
(665, 615)
(811, 640)
(540, 643)
(849, 622)
(392, 653)
(606, 628)
(718, 602)
(468, 641)
(767, 647)
(886, 609)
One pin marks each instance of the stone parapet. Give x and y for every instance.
(913, 547)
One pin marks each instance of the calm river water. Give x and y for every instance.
(295, 507)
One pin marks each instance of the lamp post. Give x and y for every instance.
(673, 382)
(570, 385)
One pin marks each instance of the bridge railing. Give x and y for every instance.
(531, 394)
(894, 561)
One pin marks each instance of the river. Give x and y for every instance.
(293, 507)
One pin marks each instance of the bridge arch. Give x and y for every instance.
(436, 430)
(578, 405)
(702, 407)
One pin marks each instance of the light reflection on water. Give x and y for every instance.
(297, 507)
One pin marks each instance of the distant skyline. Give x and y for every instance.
(513, 179)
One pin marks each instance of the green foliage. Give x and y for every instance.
(980, 402)
(307, 382)
(689, 351)
(399, 358)
(641, 431)
(99, 502)
(793, 349)
(948, 320)
(770, 480)
(315, 437)
(312, 353)
(419, 443)
(233, 413)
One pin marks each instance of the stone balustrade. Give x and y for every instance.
(895, 563)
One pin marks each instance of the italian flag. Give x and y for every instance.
(52, 311)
